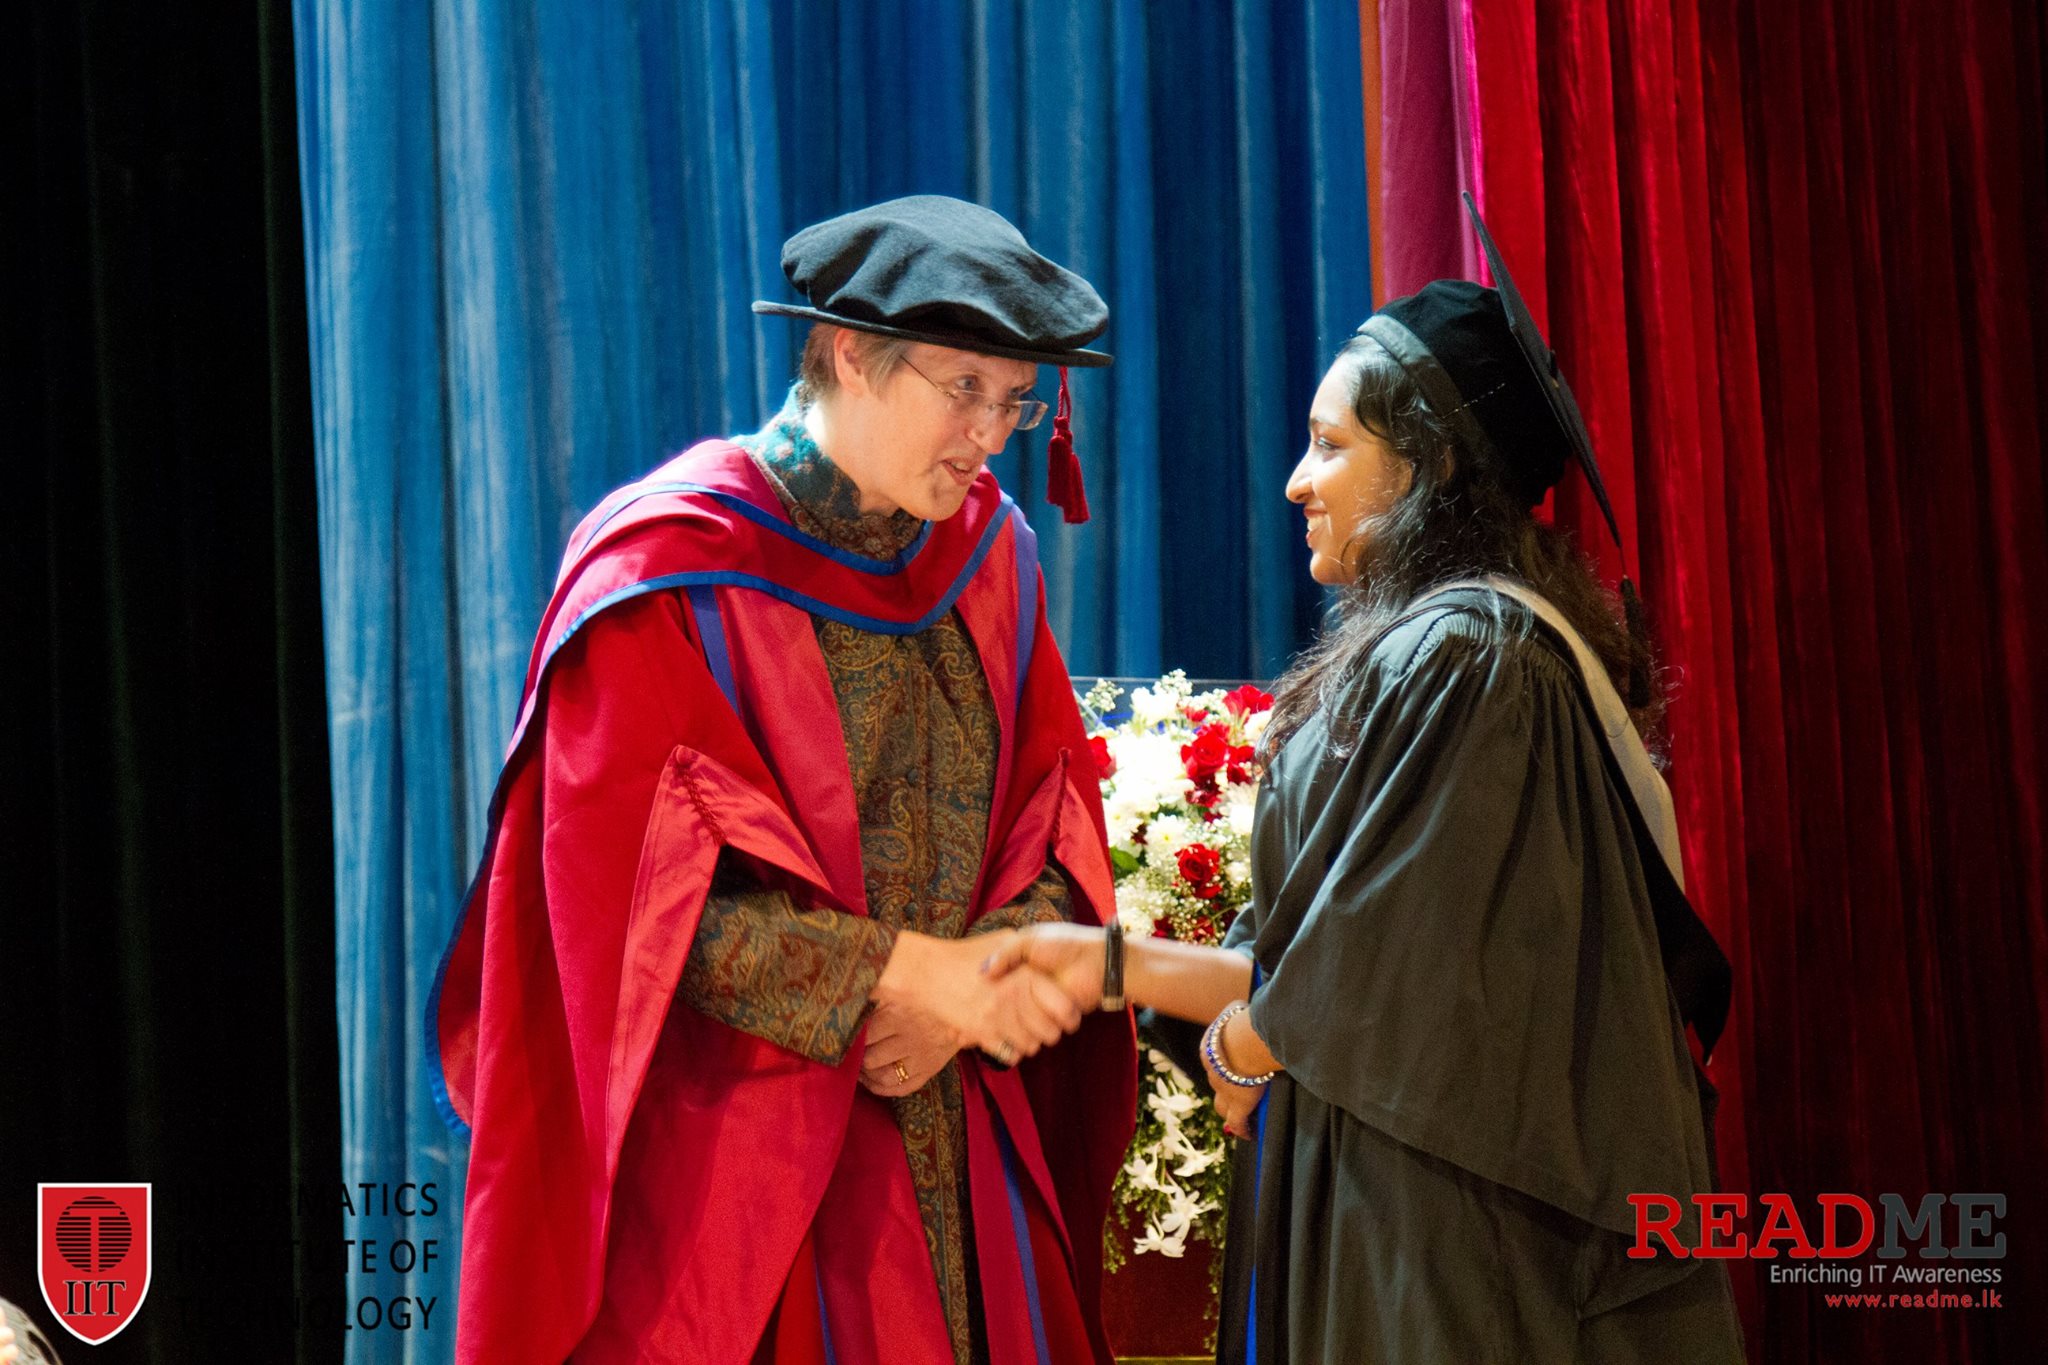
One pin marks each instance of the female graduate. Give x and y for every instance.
(1453, 1022)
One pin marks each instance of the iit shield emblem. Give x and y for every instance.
(92, 1255)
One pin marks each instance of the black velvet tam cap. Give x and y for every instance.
(1481, 363)
(944, 271)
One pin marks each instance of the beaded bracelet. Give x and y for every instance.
(1212, 1050)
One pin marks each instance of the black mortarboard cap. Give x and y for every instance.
(1480, 361)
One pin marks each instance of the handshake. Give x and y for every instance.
(1009, 994)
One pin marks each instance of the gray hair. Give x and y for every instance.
(875, 354)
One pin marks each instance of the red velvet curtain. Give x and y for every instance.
(1790, 255)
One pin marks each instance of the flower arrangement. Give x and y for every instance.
(1178, 786)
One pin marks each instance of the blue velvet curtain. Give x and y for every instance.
(533, 230)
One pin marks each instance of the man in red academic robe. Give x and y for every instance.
(797, 752)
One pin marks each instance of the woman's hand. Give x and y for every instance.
(1238, 1043)
(948, 1002)
(1235, 1103)
(906, 1047)
(1070, 954)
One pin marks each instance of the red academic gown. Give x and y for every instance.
(648, 1184)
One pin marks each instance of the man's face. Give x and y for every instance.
(925, 432)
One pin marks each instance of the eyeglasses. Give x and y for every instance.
(1021, 415)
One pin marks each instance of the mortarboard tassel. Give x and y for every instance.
(1063, 487)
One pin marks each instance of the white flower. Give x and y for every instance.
(1171, 1103)
(1139, 903)
(1255, 726)
(1183, 1209)
(1196, 1160)
(1166, 836)
(1168, 1234)
(1176, 1145)
(1155, 1239)
(1240, 800)
(1101, 698)
(1123, 812)
(1150, 706)
(1137, 922)
(1148, 769)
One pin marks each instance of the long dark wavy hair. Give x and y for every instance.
(1459, 519)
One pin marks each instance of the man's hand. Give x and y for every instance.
(1070, 954)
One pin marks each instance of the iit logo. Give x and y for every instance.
(92, 1255)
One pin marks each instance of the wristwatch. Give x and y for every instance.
(1113, 966)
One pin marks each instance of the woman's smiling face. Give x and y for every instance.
(1346, 479)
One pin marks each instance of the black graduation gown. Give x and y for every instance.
(1459, 968)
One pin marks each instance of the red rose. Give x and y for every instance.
(1240, 763)
(1105, 762)
(1208, 754)
(1195, 714)
(1199, 865)
(1247, 701)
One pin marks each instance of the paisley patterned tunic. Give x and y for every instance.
(921, 739)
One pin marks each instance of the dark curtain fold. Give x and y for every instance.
(166, 895)
(1789, 256)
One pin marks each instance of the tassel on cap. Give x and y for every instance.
(1063, 487)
